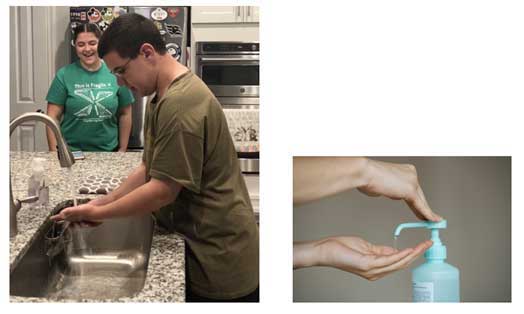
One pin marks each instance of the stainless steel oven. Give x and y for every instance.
(231, 71)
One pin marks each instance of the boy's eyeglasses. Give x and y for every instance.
(119, 71)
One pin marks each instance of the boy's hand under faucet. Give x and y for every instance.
(82, 215)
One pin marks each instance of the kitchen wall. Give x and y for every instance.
(39, 45)
(473, 194)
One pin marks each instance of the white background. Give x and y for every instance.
(359, 78)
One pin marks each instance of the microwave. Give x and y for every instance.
(229, 69)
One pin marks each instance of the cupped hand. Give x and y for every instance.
(398, 182)
(84, 215)
(355, 255)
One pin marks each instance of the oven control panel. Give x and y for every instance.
(227, 47)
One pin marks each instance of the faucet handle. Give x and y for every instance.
(30, 199)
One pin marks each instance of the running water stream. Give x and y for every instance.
(72, 185)
(79, 241)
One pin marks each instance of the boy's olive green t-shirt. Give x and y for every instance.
(187, 141)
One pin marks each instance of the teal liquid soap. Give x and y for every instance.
(435, 280)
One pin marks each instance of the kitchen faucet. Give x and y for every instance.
(65, 158)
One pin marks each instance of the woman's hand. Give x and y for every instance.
(355, 255)
(398, 182)
(318, 177)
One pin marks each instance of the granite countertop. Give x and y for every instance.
(165, 280)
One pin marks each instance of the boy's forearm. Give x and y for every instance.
(133, 181)
(145, 199)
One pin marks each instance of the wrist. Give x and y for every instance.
(363, 173)
(98, 212)
(93, 213)
(109, 198)
(103, 200)
(306, 254)
(323, 252)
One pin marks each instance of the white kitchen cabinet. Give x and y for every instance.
(224, 14)
(251, 14)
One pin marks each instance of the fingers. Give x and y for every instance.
(76, 220)
(368, 193)
(362, 246)
(420, 207)
(383, 250)
(70, 213)
(57, 217)
(60, 216)
(385, 260)
(367, 260)
(355, 243)
(434, 217)
(379, 272)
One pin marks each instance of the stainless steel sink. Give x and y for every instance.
(104, 262)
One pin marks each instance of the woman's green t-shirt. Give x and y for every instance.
(91, 101)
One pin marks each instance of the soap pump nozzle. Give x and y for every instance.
(437, 251)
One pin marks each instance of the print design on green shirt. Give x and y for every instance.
(86, 93)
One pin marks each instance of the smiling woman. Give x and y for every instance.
(86, 43)
(94, 110)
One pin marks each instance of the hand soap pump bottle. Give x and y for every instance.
(37, 185)
(434, 280)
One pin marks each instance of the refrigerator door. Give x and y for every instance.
(172, 24)
(101, 16)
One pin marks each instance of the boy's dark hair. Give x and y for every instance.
(127, 33)
(86, 28)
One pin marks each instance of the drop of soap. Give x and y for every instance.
(395, 243)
